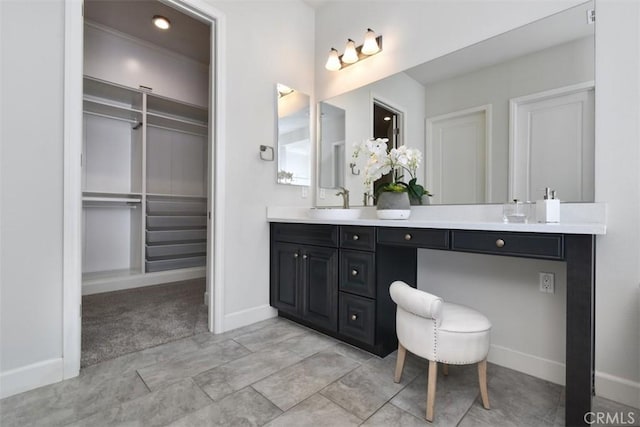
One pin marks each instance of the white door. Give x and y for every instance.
(457, 157)
(552, 145)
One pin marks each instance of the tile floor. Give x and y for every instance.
(277, 373)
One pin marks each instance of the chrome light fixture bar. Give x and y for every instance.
(352, 53)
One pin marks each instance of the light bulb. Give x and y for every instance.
(350, 55)
(370, 45)
(161, 22)
(333, 62)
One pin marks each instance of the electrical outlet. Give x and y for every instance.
(305, 192)
(322, 194)
(547, 282)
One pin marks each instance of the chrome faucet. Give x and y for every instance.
(345, 197)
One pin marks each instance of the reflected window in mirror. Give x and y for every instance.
(294, 137)
(332, 153)
(459, 111)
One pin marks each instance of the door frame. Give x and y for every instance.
(515, 103)
(72, 171)
(488, 142)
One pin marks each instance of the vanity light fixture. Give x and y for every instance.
(352, 53)
(283, 90)
(161, 22)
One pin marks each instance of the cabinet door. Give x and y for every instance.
(285, 276)
(320, 286)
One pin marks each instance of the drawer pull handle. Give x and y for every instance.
(407, 236)
(304, 256)
(354, 317)
(356, 237)
(296, 255)
(354, 272)
(499, 243)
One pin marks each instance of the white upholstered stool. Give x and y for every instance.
(451, 334)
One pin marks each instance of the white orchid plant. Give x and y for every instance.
(399, 160)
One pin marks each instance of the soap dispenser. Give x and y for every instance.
(548, 209)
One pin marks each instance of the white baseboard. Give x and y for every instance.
(29, 377)
(618, 389)
(546, 369)
(248, 316)
(97, 286)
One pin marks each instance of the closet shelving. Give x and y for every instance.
(144, 184)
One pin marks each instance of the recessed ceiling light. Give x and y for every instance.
(161, 22)
(387, 118)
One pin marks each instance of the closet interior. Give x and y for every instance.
(144, 158)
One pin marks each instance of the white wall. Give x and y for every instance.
(268, 42)
(31, 190)
(415, 32)
(559, 66)
(618, 184)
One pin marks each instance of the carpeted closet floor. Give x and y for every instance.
(121, 322)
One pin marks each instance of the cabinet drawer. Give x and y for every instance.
(416, 237)
(306, 234)
(174, 236)
(361, 238)
(357, 318)
(504, 243)
(358, 272)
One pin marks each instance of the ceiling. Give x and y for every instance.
(187, 35)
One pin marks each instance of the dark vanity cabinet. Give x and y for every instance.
(325, 277)
(304, 269)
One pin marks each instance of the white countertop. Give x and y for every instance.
(576, 218)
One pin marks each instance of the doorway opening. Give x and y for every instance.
(139, 211)
(387, 122)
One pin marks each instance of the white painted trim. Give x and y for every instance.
(618, 389)
(31, 376)
(110, 284)
(72, 197)
(539, 367)
(515, 103)
(217, 117)
(72, 181)
(488, 143)
(249, 316)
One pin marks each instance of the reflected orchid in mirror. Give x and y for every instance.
(381, 161)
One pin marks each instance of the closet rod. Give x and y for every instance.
(175, 130)
(107, 116)
(91, 205)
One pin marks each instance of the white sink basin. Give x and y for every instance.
(334, 213)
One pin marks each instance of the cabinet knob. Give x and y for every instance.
(305, 256)
(407, 236)
(356, 237)
(296, 255)
(499, 243)
(354, 317)
(354, 272)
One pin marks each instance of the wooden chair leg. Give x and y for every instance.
(482, 376)
(431, 389)
(445, 369)
(402, 353)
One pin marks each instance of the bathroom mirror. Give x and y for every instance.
(294, 136)
(498, 120)
(331, 140)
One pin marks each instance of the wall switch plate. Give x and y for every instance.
(322, 194)
(305, 192)
(547, 282)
